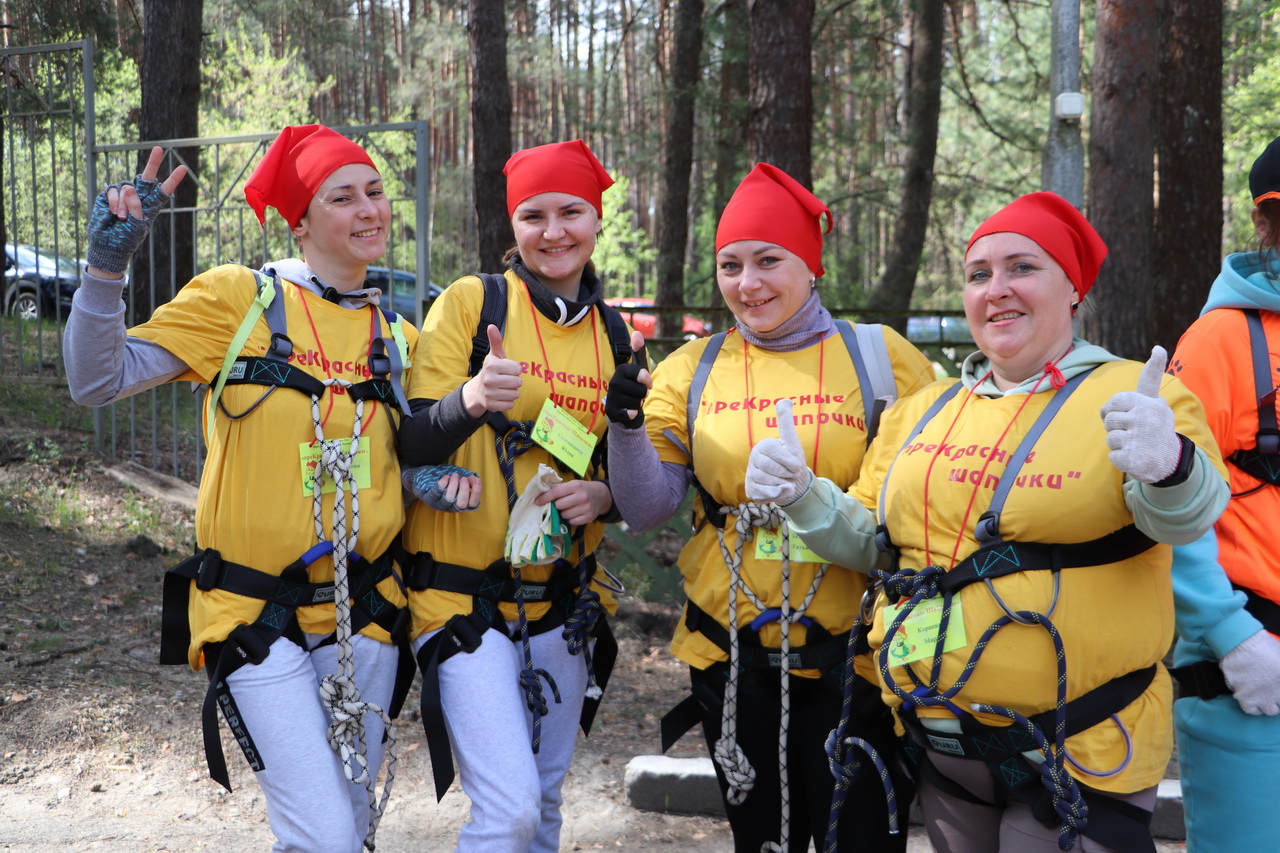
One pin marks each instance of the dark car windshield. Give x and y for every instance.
(29, 257)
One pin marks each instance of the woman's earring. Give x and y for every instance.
(813, 281)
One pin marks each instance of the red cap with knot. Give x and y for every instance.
(1058, 228)
(295, 166)
(772, 206)
(561, 167)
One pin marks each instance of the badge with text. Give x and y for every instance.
(917, 637)
(310, 456)
(769, 547)
(564, 437)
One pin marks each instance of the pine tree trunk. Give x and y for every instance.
(490, 128)
(677, 162)
(1188, 232)
(924, 103)
(780, 115)
(1121, 153)
(170, 72)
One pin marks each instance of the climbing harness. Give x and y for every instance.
(575, 605)
(285, 593)
(1046, 785)
(868, 352)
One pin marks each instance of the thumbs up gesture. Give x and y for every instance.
(628, 387)
(497, 386)
(1140, 429)
(776, 470)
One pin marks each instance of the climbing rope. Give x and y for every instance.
(583, 621)
(510, 443)
(339, 692)
(842, 759)
(1067, 799)
(732, 760)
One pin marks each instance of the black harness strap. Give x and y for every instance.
(282, 594)
(1203, 679)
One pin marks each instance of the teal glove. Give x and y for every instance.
(112, 240)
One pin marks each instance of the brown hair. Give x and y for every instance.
(1269, 234)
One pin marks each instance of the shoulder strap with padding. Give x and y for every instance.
(492, 312)
(620, 337)
(281, 347)
(870, 355)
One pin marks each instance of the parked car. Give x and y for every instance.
(942, 331)
(403, 289)
(38, 281)
(646, 324)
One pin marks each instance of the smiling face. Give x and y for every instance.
(1018, 301)
(556, 234)
(345, 226)
(763, 284)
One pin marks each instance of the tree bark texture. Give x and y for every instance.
(677, 163)
(730, 125)
(1188, 229)
(780, 107)
(924, 103)
(1121, 153)
(170, 72)
(490, 129)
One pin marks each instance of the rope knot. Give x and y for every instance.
(737, 769)
(907, 583)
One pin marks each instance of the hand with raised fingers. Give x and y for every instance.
(497, 386)
(631, 383)
(1141, 437)
(446, 488)
(121, 216)
(776, 470)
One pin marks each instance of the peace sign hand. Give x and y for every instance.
(122, 214)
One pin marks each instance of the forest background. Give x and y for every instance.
(912, 119)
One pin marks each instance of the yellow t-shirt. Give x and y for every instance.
(1112, 618)
(737, 410)
(252, 506)
(569, 364)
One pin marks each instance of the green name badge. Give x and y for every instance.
(310, 456)
(769, 547)
(564, 437)
(917, 637)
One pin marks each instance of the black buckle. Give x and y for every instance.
(380, 364)
(418, 574)
(210, 570)
(248, 644)
(462, 634)
(281, 347)
(987, 530)
(883, 543)
(1268, 441)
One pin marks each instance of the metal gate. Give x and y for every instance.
(52, 167)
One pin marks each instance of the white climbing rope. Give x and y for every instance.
(339, 691)
(732, 760)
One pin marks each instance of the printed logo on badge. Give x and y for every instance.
(951, 746)
(324, 595)
(237, 370)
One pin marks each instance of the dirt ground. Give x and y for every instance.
(100, 746)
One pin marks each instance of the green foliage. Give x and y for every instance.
(249, 87)
(623, 248)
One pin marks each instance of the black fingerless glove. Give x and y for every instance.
(626, 392)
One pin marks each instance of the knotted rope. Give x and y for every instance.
(581, 624)
(339, 692)
(732, 760)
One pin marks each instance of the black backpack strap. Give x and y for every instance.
(620, 337)
(492, 312)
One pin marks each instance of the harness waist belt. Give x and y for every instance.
(1006, 558)
(1204, 679)
(821, 652)
(1262, 608)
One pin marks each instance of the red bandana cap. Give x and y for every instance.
(772, 206)
(1058, 228)
(295, 166)
(561, 167)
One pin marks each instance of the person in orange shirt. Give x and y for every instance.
(1227, 591)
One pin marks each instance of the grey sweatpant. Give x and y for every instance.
(311, 805)
(515, 794)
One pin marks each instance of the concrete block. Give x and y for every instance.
(1167, 821)
(675, 785)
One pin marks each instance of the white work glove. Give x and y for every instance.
(1253, 674)
(777, 470)
(1140, 430)
(535, 534)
